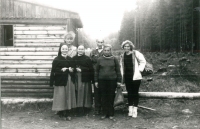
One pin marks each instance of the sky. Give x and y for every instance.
(99, 17)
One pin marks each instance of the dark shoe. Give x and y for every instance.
(68, 118)
(112, 118)
(60, 114)
(97, 112)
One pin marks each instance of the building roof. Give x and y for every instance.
(20, 11)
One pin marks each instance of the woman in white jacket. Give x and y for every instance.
(132, 64)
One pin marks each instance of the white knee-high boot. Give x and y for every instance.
(134, 112)
(130, 111)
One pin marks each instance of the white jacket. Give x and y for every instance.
(140, 63)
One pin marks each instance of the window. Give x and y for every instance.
(6, 35)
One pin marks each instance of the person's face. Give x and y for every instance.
(127, 48)
(64, 49)
(99, 44)
(107, 51)
(81, 50)
(69, 39)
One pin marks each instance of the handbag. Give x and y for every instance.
(148, 69)
(119, 97)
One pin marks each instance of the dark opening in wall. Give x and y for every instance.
(6, 35)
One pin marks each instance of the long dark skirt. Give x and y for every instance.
(84, 92)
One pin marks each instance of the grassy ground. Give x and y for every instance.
(184, 76)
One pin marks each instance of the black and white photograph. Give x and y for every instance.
(100, 64)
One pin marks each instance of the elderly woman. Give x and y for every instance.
(84, 78)
(64, 98)
(132, 64)
(107, 77)
(68, 40)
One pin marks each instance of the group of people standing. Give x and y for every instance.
(73, 74)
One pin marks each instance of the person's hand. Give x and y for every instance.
(78, 69)
(64, 69)
(96, 84)
(71, 69)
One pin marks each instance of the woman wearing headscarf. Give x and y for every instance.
(64, 98)
(84, 78)
(132, 64)
(107, 77)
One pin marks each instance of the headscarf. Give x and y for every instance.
(59, 50)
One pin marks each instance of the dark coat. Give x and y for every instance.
(85, 64)
(57, 76)
(94, 55)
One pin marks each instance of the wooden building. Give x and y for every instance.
(30, 35)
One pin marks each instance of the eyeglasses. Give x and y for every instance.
(99, 42)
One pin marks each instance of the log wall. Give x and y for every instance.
(25, 67)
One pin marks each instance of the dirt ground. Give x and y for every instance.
(169, 114)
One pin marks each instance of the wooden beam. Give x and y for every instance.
(25, 74)
(39, 40)
(25, 82)
(26, 90)
(33, 49)
(39, 36)
(28, 94)
(12, 86)
(24, 100)
(32, 25)
(26, 62)
(39, 32)
(24, 78)
(25, 66)
(25, 70)
(27, 57)
(36, 28)
(29, 53)
(37, 44)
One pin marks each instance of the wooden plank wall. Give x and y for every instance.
(25, 68)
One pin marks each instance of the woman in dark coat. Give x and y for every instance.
(84, 78)
(64, 98)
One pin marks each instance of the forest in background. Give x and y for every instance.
(163, 25)
(158, 25)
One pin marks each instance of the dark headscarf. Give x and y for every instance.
(59, 50)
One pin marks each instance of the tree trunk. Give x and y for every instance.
(168, 95)
(192, 29)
